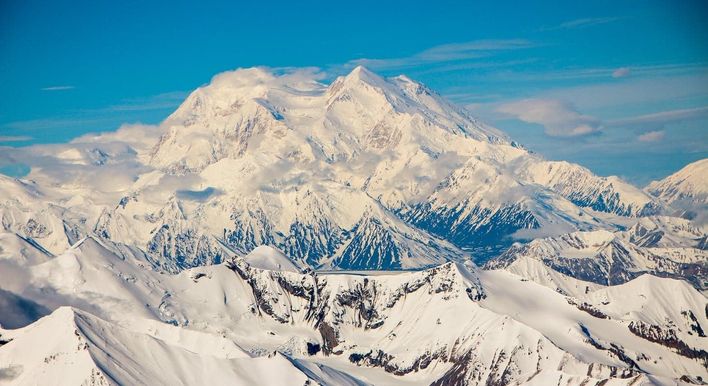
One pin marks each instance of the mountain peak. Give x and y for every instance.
(392, 140)
(361, 72)
(359, 75)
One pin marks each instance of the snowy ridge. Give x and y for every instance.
(663, 246)
(79, 348)
(686, 190)
(603, 194)
(226, 321)
(265, 257)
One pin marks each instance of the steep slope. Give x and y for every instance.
(666, 232)
(663, 246)
(686, 190)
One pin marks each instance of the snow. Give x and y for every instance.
(691, 182)
(665, 246)
(200, 325)
(76, 347)
(268, 258)
(22, 251)
(257, 158)
(181, 255)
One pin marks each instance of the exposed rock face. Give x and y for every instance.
(668, 338)
(375, 305)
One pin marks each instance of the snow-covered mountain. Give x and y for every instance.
(114, 321)
(362, 173)
(279, 230)
(686, 190)
(27, 212)
(73, 347)
(663, 246)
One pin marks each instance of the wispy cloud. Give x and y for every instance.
(582, 23)
(57, 88)
(559, 118)
(445, 53)
(664, 117)
(599, 73)
(475, 65)
(96, 120)
(53, 123)
(14, 138)
(657, 89)
(651, 136)
(163, 101)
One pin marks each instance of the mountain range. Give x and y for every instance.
(276, 229)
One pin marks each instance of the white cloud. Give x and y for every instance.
(136, 135)
(621, 72)
(251, 81)
(57, 88)
(651, 136)
(560, 119)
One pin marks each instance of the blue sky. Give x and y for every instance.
(618, 86)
